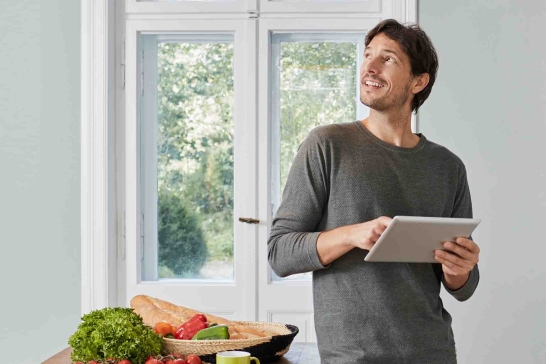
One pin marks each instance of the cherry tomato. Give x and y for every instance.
(173, 329)
(153, 361)
(176, 361)
(124, 361)
(193, 359)
(178, 355)
(163, 328)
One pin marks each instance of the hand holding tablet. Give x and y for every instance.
(413, 239)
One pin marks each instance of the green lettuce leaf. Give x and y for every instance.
(114, 333)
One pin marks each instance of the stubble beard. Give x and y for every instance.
(385, 103)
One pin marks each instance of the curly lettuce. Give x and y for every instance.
(114, 333)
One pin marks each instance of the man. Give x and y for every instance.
(347, 182)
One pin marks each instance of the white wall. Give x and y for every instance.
(489, 107)
(39, 177)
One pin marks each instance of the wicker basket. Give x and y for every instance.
(266, 349)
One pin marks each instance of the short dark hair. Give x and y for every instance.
(417, 45)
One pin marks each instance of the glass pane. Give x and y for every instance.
(317, 84)
(195, 160)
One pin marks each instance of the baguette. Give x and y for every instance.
(153, 310)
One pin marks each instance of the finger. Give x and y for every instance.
(448, 270)
(454, 259)
(461, 252)
(453, 268)
(468, 244)
(379, 229)
(384, 220)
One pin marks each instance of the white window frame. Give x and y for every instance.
(195, 7)
(102, 230)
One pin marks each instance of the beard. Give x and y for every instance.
(385, 103)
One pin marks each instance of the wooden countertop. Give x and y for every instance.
(299, 353)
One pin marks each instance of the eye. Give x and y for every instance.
(367, 55)
(390, 59)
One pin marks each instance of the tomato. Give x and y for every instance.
(163, 328)
(178, 355)
(173, 329)
(124, 361)
(193, 359)
(153, 361)
(176, 361)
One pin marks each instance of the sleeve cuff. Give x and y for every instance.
(466, 291)
(312, 252)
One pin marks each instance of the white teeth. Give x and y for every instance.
(370, 83)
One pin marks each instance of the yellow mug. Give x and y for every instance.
(235, 357)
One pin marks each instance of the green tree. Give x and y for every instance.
(195, 146)
(182, 246)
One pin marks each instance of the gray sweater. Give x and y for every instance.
(370, 312)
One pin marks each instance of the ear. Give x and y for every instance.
(420, 82)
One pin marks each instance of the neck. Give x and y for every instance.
(393, 128)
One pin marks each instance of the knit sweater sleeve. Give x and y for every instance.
(463, 208)
(292, 244)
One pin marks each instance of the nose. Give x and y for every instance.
(370, 66)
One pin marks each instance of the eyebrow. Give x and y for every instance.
(386, 51)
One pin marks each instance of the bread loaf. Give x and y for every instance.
(153, 310)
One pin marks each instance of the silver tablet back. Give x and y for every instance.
(413, 239)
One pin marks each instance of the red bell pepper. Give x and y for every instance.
(201, 317)
(189, 328)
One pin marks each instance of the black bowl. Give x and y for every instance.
(265, 352)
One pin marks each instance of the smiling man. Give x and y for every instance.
(346, 184)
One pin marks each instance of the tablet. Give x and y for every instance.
(413, 239)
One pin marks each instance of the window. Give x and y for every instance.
(217, 96)
(186, 163)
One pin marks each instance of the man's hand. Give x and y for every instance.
(366, 234)
(457, 261)
(334, 243)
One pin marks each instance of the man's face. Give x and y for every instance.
(385, 75)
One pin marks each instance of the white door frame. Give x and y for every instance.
(98, 225)
(101, 242)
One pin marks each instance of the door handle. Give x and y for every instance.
(249, 220)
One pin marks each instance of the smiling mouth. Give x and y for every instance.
(373, 84)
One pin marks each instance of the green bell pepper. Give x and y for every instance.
(218, 332)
